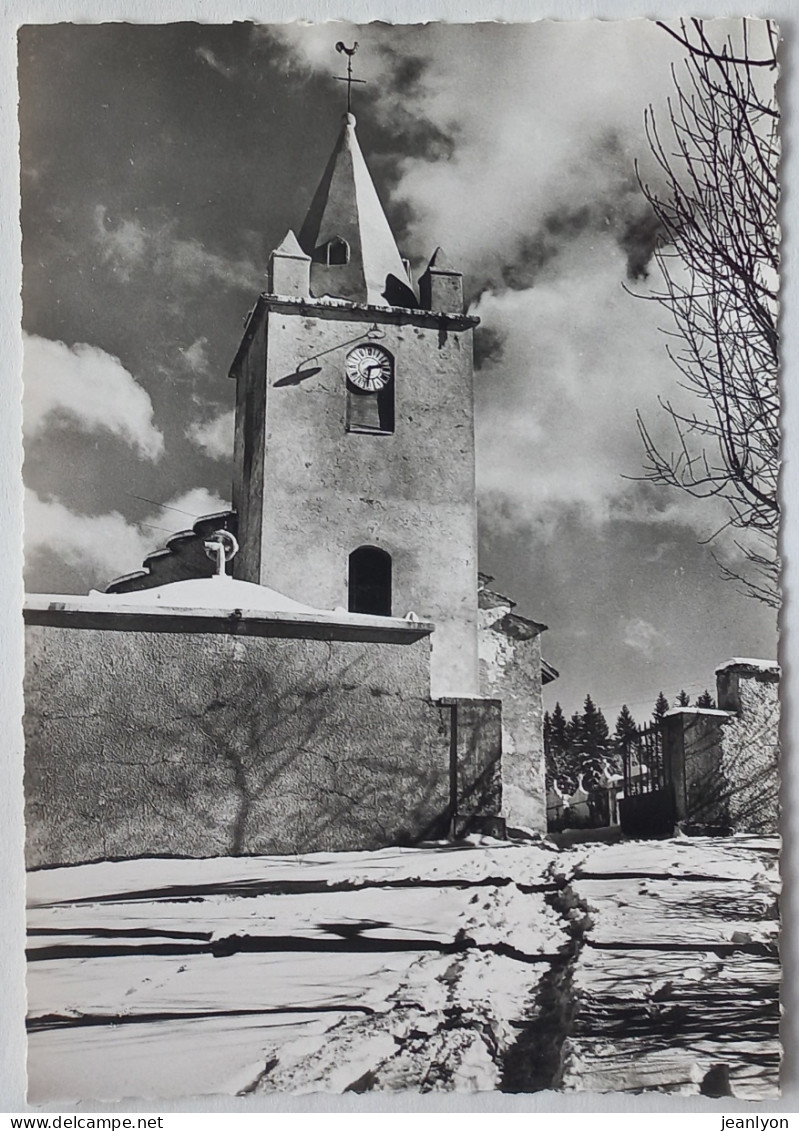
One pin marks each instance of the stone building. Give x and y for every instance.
(513, 670)
(354, 654)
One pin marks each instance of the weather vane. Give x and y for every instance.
(349, 80)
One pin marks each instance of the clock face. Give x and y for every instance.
(369, 367)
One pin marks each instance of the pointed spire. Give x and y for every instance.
(289, 268)
(289, 246)
(347, 236)
(441, 286)
(440, 262)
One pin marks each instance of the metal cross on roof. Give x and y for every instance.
(348, 79)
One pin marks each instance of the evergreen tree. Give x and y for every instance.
(570, 762)
(683, 699)
(661, 706)
(706, 700)
(558, 737)
(592, 743)
(625, 739)
(556, 747)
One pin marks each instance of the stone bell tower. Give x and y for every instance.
(354, 444)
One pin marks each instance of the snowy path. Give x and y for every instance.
(485, 967)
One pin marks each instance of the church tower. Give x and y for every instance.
(354, 442)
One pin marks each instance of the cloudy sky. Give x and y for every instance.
(160, 165)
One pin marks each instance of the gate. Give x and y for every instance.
(647, 808)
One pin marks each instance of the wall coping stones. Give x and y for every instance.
(747, 666)
(455, 700)
(344, 309)
(711, 711)
(112, 614)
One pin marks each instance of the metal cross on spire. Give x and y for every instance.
(348, 79)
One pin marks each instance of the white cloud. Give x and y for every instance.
(127, 244)
(213, 61)
(195, 356)
(214, 437)
(642, 636)
(83, 386)
(556, 417)
(555, 423)
(105, 546)
(192, 504)
(124, 245)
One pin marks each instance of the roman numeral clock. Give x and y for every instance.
(370, 368)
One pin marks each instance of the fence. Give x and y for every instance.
(647, 808)
(641, 799)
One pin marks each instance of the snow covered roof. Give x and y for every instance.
(749, 664)
(208, 601)
(208, 593)
(697, 711)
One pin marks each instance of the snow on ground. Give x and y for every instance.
(485, 966)
(442, 863)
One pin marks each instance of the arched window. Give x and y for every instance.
(334, 253)
(338, 252)
(370, 581)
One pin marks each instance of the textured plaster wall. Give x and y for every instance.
(510, 670)
(725, 766)
(477, 748)
(750, 757)
(203, 744)
(326, 491)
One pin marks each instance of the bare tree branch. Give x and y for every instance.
(719, 258)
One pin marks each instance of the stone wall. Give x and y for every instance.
(213, 736)
(509, 648)
(724, 764)
(750, 745)
(692, 738)
(475, 729)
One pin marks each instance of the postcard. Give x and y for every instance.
(401, 423)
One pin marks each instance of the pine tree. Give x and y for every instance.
(661, 706)
(592, 745)
(570, 762)
(625, 740)
(706, 700)
(556, 747)
(558, 737)
(683, 699)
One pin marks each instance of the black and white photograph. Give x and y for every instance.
(401, 452)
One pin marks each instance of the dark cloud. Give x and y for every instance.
(628, 219)
(488, 346)
(535, 251)
(638, 238)
(407, 70)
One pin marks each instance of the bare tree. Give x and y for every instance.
(719, 259)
